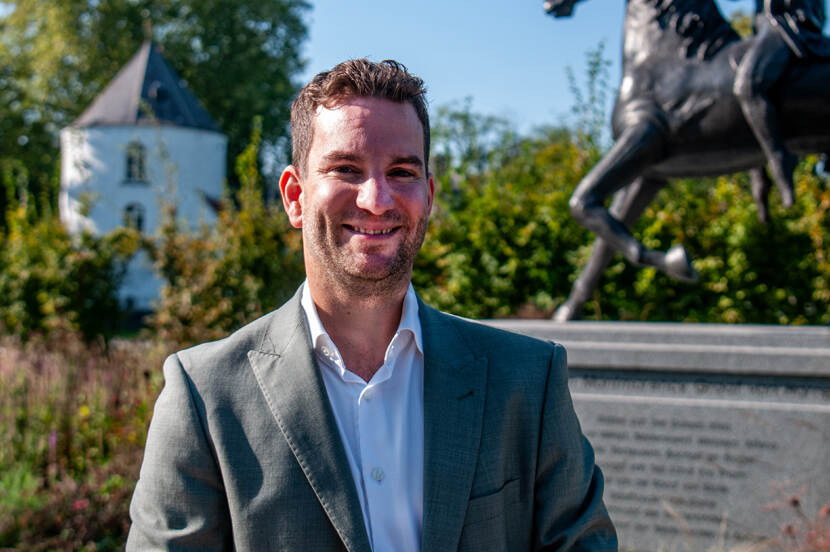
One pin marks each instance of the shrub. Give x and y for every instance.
(73, 422)
(749, 272)
(50, 280)
(499, 241)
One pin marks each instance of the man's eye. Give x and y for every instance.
(344, 169)
(402, 173)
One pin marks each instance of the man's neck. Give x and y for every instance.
(360, 327)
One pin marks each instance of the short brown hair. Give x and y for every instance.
(355, 78)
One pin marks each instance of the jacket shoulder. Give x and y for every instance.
(247, 337)
(263, 334)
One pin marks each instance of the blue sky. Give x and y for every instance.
(508, 55)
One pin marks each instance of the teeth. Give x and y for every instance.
(374, 232)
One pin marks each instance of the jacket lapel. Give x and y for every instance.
(454, 389)
(288, 376)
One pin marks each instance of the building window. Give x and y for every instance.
(134, 216)
(136, 162)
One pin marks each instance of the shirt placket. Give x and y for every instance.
(377, 453)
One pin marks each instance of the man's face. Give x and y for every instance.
(364, 198)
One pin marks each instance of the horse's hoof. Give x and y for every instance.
(565, 313)
(679, 264)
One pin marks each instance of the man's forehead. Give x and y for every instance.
(363, 116)
(361, 107)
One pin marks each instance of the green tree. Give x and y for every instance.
(238, 57)
(590, 108)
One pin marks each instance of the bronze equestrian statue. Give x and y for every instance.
(677, 115)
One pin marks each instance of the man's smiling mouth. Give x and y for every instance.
(371, 232)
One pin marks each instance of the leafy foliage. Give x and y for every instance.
(50, 280)
(219, 278)
(498, 244)
(590, 108)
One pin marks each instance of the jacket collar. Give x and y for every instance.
(287, 374)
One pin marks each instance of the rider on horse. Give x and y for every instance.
(786, 29)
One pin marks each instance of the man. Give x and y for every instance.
(355, 417)
(785, 30)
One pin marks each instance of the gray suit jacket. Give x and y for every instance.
(243, 450)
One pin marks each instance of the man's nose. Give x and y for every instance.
(375, 195)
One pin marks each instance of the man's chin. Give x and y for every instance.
(372, 278)
(373, 273)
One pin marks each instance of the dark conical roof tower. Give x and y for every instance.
(146, 81)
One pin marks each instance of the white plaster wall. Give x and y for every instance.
(182, 164)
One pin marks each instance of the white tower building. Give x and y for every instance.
(143, 141)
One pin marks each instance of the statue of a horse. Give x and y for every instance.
(676, 117)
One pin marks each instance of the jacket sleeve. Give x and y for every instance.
(179, 501)
(568, 512)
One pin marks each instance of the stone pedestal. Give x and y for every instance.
(704, 432)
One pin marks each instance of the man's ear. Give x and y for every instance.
(291, 189)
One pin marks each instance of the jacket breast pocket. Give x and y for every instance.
(493, 505)
(491, 518)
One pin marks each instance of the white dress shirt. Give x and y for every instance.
(381, 423)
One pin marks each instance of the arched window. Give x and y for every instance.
(136, 162)
(134, 216)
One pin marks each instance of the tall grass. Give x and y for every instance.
(73, 421)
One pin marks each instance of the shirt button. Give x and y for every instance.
(377, 474)
(368, 395)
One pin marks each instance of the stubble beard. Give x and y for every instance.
(341, 268)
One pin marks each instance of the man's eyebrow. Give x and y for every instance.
(408, 160)
(340, 156)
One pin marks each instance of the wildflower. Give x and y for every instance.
(83, 411)
(80, 504)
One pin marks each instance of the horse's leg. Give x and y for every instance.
(759, 70)
(637, 148)
(760, 182)
(627, 205)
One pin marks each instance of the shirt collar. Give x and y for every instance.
(410, 320)
(319, 337)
